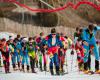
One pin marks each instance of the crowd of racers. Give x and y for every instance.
(26, 55)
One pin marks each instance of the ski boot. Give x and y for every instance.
(45, 67)
(88, 72)
(41, 67)
(28, 68)
(57, 71)
(19, 66)
(61, 70)
(91, 72)
(23, 68)
(33, 71)
(80, 66)
(51, 71)
(8, 71)
(97, 72)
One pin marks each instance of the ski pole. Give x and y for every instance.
(45, 60)
(60, 65)
(72, 63)
(72, 54)
(66, 64)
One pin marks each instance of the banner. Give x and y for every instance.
(68, 4)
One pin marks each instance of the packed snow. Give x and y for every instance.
(73, 74)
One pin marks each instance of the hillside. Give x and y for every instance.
(12, 16)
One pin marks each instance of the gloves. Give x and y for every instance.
(51, 55)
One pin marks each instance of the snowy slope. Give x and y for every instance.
(73, 75)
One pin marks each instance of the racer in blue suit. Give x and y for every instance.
(53, 43)
(17, 52)
(25, 57)
(89, 40)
